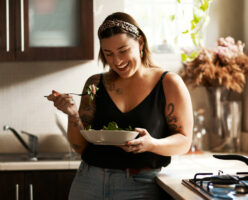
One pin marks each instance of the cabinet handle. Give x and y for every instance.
(17, 191)
(22, 25)
(7, 25)
(31, 192)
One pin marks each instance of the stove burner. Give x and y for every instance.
(241, 189)
(223, 180)
(221, 186)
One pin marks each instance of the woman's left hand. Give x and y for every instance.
(143, 143)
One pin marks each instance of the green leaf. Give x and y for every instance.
(185, 32)
(178, 1)
(193, 25)
(204, 5)
(91, 97)
(172, 17)
(194, 54)
(114, 126)
(89, 127)
(111, 126)
(183, 57)
(196, 19)
(129, 128)
(194, 38)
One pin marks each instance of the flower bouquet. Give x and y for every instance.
(226, 65)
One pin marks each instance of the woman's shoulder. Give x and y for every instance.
(94, 79)
(171, 77)
(167, 76)
(172, 81)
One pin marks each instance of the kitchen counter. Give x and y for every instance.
(185, 167)
(170, 178)
(39, 165)
(44, 161)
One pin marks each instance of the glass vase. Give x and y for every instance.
(224, 121)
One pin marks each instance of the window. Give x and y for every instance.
(163, 22)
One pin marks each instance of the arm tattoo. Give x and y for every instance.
(172, 119)
(87, 108)
(76, 122)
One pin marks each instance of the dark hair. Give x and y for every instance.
(108, 32)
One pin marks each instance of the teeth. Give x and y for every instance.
(123, 66)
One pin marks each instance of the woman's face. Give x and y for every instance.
(122, 54)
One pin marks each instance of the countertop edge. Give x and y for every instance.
(169, 190)
(39, 165)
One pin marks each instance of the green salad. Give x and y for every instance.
(92, 90)
(114, 126)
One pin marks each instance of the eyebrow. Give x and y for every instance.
(117, 48)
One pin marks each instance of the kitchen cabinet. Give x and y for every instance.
(37, 185)
(32, 30)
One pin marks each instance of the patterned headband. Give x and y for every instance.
(118, 23)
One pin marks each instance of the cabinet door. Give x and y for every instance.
(7, 30)
(40, 185)
(54, 29)
(12, 185)
(49, 185)
(64, 181)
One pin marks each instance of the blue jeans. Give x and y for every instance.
(94, 183)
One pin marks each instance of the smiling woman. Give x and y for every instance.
(134, 92)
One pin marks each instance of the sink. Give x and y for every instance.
(40, 157)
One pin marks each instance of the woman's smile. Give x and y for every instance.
(123, 67)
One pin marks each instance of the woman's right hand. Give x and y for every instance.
(64, 102)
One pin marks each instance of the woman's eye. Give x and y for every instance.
(109, 54)
(123, 51)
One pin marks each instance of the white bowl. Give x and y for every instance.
(108, 137)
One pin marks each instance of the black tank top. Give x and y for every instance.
(149, 114)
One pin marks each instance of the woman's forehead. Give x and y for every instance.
(117, 41)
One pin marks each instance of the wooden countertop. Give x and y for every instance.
(185, 167)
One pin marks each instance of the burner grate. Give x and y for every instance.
(221, 186)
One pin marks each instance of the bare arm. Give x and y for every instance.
(82, 119)
(179, 116)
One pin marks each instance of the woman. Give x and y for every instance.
(134, 92)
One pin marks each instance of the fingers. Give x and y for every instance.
(53, 96)
(142, 144)
(134, 142)
(142, 132)
(61, 101)
(133, 148)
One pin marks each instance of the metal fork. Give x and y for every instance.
(82, 94)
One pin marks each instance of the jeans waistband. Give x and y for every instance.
(130, 171)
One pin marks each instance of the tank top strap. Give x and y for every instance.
(163, 75)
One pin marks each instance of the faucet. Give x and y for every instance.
(33, 141)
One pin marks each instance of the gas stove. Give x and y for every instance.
(220, 186)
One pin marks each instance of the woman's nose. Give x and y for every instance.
(117, 60)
